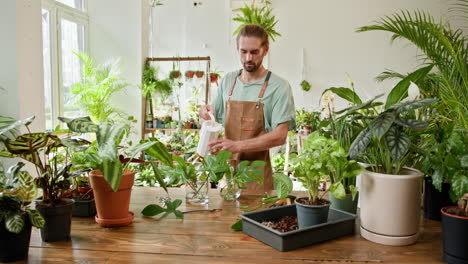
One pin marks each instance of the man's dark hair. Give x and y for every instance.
(253, 30)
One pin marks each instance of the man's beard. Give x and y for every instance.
(250, 66)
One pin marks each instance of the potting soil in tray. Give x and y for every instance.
(339, 223)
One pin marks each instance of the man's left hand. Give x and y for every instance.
(224, 144)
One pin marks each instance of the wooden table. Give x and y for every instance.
(207, 238)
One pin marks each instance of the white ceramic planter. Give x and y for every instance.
(390, 207)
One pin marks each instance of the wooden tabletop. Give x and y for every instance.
(207, 238)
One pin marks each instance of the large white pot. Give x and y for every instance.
(390, 207)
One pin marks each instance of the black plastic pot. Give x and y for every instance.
(309, 215)
(14, 247)
(84, 208)
(454, 235)
(57, 221)
(348, 204)
(434, 200)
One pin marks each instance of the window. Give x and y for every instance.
(64, 31)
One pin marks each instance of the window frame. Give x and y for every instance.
(57, 12)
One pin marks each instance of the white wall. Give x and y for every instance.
(21, 66)
(325, 28)
(115, 31)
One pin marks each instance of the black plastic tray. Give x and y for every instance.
(339, 223)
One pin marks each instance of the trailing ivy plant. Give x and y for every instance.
(251, 14)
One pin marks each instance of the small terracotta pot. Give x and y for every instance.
(213, 77)
(189, 74)
(199, 74)
(112, 207)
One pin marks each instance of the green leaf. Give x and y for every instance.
(354, 190)
(412, 123)
(36, 218)
(112, 171)
(140, 147)
(283, 185)
(152, 210)
(80, 124)
(338, 190)
(398, 143)
(380, 125)
(400, 91)
(464, 161)
(158, 176)
(179, 214)
(159, 152)
(7, 123)
(14, 223)
(412, 105)
(366, 105)
(458, 186)
(360, 143)
(345, 93)
(437, 180)
(237, 226)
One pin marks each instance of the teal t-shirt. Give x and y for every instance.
(278, 99)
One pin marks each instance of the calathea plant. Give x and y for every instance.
(17, 190)
(385, 134)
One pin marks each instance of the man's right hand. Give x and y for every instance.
(204, 110)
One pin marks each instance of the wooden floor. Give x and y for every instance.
(207, 238)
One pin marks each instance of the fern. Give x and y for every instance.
(250, 14)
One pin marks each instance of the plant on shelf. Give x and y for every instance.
(307, 120)
(98, 85)
(111, 180)
(232, 178)
(153, 86)
(252, 14)
(321, 159)
(17, 191)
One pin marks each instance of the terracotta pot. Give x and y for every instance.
(213, 78)
(390, 207)
(112, 207)
(189, 74)
(199, 74)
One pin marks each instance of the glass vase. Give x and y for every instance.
(197, 192)
(228, 189)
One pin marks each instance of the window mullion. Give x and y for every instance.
(55, 67)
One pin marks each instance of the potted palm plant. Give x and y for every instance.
(17, 191)
(387, 147)
(111, 180)
(53, 177)
(321, 158)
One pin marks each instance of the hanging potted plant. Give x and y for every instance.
(53, 177)
(199, 74)
(111, 180)
(387, 144)
(455, 231)
(17, 191)
(189, 74)
(319, 160)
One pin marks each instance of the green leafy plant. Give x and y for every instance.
(17, 190)
(171, 208)
(52, 170)
(95, 90)
(106, 151)
(251, 14)
(386, 136)
(153, 86)
(321, 159)
(305, 118)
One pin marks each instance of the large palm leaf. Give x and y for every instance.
(444, 47)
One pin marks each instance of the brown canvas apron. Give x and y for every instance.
(244, 120)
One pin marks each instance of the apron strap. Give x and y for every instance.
(265, 84)
(234, 83)
(262, 91)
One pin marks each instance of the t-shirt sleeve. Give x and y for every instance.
(283, 108)
(218, 101)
